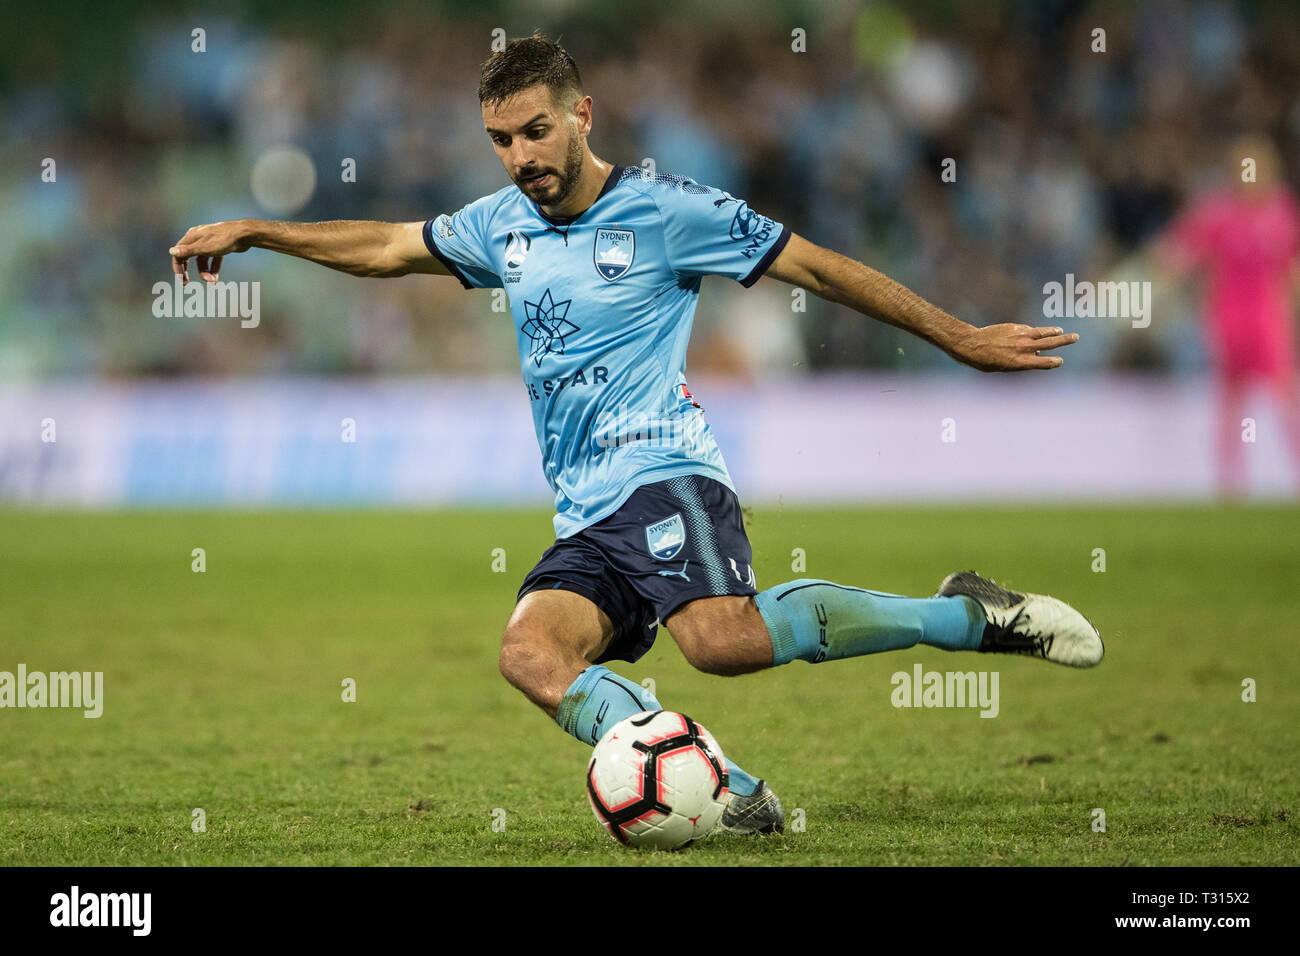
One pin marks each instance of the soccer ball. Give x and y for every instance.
(657, 779)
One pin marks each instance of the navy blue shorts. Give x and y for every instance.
(671, 542)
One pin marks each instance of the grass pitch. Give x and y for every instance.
(223, 692)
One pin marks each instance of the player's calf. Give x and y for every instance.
(816, 621)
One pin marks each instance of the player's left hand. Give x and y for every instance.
(1010, 347)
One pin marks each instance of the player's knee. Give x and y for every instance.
(712, 660)
(711, 652)
(520, 656)
(725, 638)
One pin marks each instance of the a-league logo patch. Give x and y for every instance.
(613, 252)
(666, 538)
(517, 246)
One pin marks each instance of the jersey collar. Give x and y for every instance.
(610, 182)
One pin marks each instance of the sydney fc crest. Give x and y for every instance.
(615, 249)
(665, 538)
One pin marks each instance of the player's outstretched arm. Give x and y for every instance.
(356, 247)
(1007, 347)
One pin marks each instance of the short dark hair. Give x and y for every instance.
(527, 62)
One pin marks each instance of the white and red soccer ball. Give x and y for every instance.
(658, 779)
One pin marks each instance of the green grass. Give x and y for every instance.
(222, 691)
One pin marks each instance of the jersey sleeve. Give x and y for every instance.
(463, 243)
(709, 232)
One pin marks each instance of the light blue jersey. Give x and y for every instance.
(603, 305)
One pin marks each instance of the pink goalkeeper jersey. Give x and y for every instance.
(1246, 249)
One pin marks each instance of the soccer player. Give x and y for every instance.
(1245, 238)
(602, 266)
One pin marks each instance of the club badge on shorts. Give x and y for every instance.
(666, 538)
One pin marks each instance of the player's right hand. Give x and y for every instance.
(209, 244)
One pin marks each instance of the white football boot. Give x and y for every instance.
(1032, 624)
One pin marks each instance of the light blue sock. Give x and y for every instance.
(599, 699)
(819, 621)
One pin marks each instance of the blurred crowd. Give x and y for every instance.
(1067, 159)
